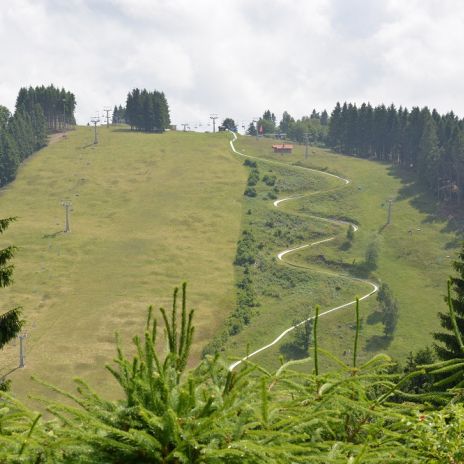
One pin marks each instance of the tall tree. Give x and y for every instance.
(448, 346)
(146, 111)
(229, 124)
(10, 321)
(251, 129)
(428, 154)
(287, 120)
(389, 309)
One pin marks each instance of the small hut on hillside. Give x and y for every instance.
(282, 148)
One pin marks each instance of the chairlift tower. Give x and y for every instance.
(389, 214)
(95, 120)
(107, 111)
(213, 117)
(67, 206)
(22, 349)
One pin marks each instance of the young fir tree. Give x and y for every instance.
(251, 130)
(389, 309)
(449, 347)
(10, 321)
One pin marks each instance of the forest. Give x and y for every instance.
(58, 105)
(38, 111)
(146, 111)
(428, 144)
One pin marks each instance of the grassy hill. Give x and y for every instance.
(148, 212)
(152, 210)
(415, 252)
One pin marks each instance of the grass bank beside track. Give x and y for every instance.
(415, 252)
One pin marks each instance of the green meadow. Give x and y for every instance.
(148, 212)
(415, 252)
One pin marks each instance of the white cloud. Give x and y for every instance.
(236, 57)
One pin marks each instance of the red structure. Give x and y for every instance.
(282, 148)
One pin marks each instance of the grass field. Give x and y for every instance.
(415, 253)
(149, 211)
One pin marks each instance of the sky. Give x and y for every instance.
(236, 58)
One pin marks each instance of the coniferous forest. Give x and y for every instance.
(429, 144)
(25, 131)
(146, 111)
(58, 105)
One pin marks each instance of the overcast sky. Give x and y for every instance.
(237, 57)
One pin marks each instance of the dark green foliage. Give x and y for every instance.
(250, 163)
(250, 192)
(211, 414)
(427, 143)
(302, 335)
(119, 115)
(10, 321)
(246, 249)
(253, 177)
(308, 126)
(57, 105)
(421, 383)
(267, 123)
(448, 346)
(388, 309)
(10, 325)
(147, 111)
(269, 180)
(229, 124)
(251, 130)
(20, 134)
(372, 255)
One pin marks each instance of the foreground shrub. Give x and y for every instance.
(215, 414)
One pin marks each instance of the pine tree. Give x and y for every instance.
(428, 154)
(10, 321)
(448, 347)
(334, 135)
(389, 309)
(251, 130)
(324, 118)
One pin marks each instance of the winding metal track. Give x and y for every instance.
(286, 252)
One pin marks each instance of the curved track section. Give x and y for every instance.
(284, 253)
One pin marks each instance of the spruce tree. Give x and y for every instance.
(448, 347)
(10, 321)
(251, 130)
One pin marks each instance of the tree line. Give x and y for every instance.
(119, 115)
(58, 105)
(312, 128)
(428, 143)
(20, 135)
(146, 111)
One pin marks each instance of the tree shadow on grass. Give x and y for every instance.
(290, 351)
(374, 318)
(424, 201)
(378, 343)
(53, 235)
